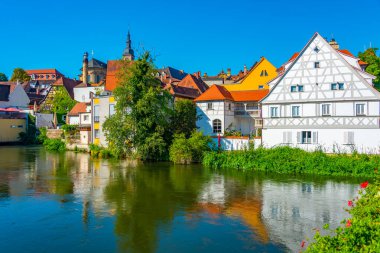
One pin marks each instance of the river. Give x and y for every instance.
(71, 203)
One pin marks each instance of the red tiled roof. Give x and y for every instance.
(113, 67)
(345, 51)
(217, 92)
(42, 71)
(294, 56)
(362, 62)
(78, 108)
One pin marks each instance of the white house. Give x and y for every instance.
(82, 92)
(12, 94)
(220, 110)
(322, 99)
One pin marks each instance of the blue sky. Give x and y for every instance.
(189, 35)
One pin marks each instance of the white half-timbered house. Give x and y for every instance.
(323, 99)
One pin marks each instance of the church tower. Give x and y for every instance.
(128, 53)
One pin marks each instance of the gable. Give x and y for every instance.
(317, 82)
(259, 75)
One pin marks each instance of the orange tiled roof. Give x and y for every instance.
(294, 56)
(42, 71)
(362, 62)
(217, 92)
(78, 108)
(345, 51)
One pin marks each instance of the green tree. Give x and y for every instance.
(184, 118)
(3, 77)
(19, 75)
(62, 102)
(370, 57)
(140, 124)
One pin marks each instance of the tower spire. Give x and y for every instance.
(128, 53)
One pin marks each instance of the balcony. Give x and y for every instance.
(255, 113)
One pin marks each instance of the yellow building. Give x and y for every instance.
(12, 123)
(257, 78)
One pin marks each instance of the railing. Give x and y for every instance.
(96, 118)
(251, 113)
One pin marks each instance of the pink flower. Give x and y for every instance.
(348, 224)
(364, 185)
(303, 244)
(350, 203)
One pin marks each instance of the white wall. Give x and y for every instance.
(73, 120)
(18, 98)
(85, 118)
(234, 143)
(82, 94)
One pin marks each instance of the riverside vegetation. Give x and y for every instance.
(289, 160)
(360, 232)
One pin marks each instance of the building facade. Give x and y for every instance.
(322, 99)
(102, 107)
(221, 111)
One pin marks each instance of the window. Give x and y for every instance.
(264, 73)
(326, 110)
(295, 111)
(83, 98)
(316, 49)
(360, 109)
(334, 86)
(293, 88)
(96, 113)
(96, 133)
(261, 87)
(229, 107)
(274, 112)
(316, 64)
(209, 106)
(112, 109)
(341, 86)
(85, 118)
(216, 126)
(286, 137)
(300, 88)
(47, 76)
(97, 79)
(348, 138)
(306, 137)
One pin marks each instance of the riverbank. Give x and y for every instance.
(287, 160)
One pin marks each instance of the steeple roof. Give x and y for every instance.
(128, 51)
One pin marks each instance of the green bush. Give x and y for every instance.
(100, 152)
(42, 135)
(54, 145)
(29, 137)
(360, 232)
(185, 151)
(294, 161)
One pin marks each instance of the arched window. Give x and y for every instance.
(217, 126)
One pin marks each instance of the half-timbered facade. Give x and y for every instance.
(322, 99)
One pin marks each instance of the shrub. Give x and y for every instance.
(54, 145)
(100, 152)
(293, 161)
(185, 151)
(360, 232)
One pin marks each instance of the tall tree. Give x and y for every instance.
(140, 124)
(62, 102)
(370, 57)
(184, 118)
(3, 77)
(19, 75)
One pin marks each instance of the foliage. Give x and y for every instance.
(370, 57)
(141, 123)
(30, 137)
(62, 102)
(185, 151)
(54, 145)
(100, 152)
(361, 232)
(289, 160)
(69, 130)
(19, 75)
(184, 117)
(3, 77)
(230, 131)
(42, 135)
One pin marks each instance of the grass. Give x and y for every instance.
(287, 160)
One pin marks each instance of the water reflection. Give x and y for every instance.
(106, 206)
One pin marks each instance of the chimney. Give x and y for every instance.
(334, 44)
(205, 74)
(245, 69)
(228, 72)
(85, 68)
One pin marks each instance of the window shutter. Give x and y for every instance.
(345, 138)
(315, 137)
(289, 137)
(299, 137)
